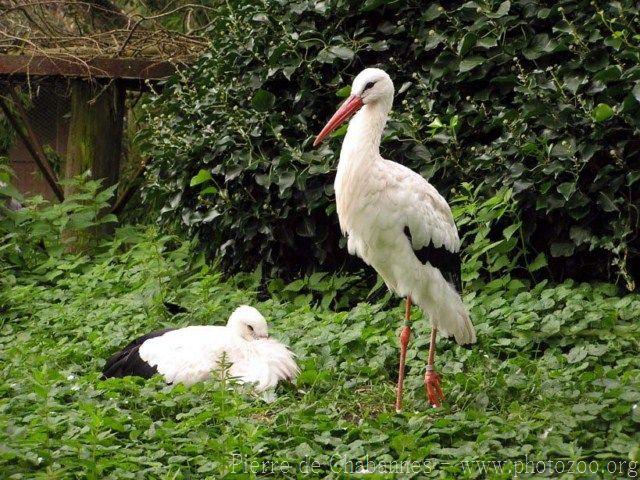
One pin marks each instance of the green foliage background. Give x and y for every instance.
(539, 97)
(554, 376)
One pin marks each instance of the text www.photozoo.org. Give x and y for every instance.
(367, 465)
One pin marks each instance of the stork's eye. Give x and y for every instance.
(250, 328)
(369, 85)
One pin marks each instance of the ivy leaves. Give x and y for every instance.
(546, 102)
(201, 177)
(263, 100)
(602, 112)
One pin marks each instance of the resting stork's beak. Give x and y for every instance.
(348, 108)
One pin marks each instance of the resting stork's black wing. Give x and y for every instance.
(128, 362)
(444, 260)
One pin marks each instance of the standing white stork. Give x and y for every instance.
(190, 354)
(398, 223)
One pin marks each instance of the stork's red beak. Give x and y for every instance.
(348, 108)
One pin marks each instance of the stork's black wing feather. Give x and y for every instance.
(128, 362)
(444, 260)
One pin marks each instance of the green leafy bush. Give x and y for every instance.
(41, 232)
(554, 376)
(541, 99)
(483, 255)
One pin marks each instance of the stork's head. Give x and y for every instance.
(247, 322)
(372, 86)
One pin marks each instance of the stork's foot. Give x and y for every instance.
(432, 386)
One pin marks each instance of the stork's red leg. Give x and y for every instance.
(431, 378)
(405, 334)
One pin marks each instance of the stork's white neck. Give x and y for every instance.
(362, 141)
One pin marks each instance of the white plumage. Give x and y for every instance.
(377, 198)
(192, 354)
(394, 219)
(374, 218)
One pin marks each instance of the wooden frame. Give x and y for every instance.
(132, 72)
(115, 75)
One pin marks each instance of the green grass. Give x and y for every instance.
(555, 376)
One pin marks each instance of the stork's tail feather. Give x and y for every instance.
(448, 313)
(465, 334)
(453, 321)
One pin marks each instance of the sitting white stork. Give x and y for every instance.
(190, 354)
(398, 223)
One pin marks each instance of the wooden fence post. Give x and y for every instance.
(95, 134)
(95, 131)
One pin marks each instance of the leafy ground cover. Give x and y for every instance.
(554, 377)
